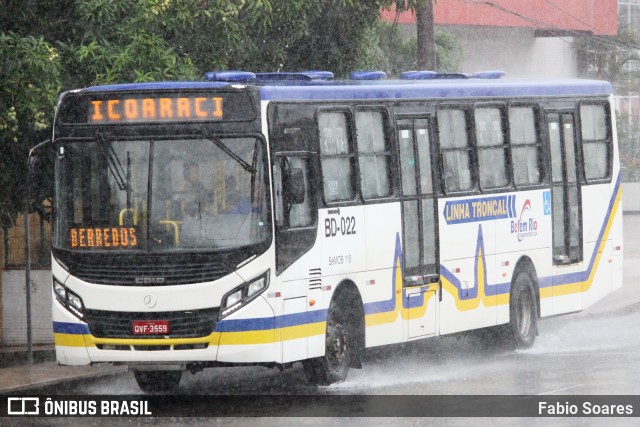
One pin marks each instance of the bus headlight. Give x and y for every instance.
(233, 299)
(256, 287)
(243, 294)
(60, 290)
(69, 299)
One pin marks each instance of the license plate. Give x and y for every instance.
(150, 327)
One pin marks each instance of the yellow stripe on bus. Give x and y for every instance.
(216, 338)
(546, 292)
(273, 335)
(69, 340)
(584, 286)
(398, 311)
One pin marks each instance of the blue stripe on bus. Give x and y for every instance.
(580, 276)
(70, 328)
(612, 202)
(380, 306)
(390, 304)
(266, 323)
(543, 282)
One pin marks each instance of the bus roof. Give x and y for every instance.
(436, 89)
(389, 89)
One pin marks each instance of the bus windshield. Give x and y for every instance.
(183, 194)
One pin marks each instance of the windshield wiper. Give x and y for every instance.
(221, 145)
(113, 162)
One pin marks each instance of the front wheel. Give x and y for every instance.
(333, 367)
(523, 312)
(158, 381)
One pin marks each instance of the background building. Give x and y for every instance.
(529, 38)
(535, 38)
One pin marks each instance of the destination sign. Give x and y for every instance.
(134, 107)
(104, 237)
(135, 110)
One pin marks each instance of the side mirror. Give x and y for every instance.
(40, 179)
(293, 186)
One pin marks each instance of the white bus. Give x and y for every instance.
(267, 219)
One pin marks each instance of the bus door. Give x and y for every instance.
(419, 241)
(566, 213)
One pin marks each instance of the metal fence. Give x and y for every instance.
(39, 243)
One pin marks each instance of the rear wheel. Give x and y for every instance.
(333, 367)
(158, 381)
(523, 312)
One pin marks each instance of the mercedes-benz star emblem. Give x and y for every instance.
(150, 301)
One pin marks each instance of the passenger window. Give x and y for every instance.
(374, 154)
(596, 143)
(293, 215)
(337, 157)
(456, 153)
(526, 147)
(492, 150)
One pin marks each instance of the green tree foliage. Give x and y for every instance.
(605, 57)
(49, 44)
(392, 52)
(340, 36)
(327, 35)
(29, 85)
(149, 40)
(616, 59)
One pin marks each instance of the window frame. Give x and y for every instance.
(506, 147)
(389, 152)
(608, 143)
(543, 162)
(412, 122)
(467, 110)
(565, 184)
(350, 133)
(310, 195)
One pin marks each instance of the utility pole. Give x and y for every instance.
(27, 273)
(426, 35)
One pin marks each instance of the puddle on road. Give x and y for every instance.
(586, 333)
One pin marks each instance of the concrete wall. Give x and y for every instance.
(14, 317)
(516, 51)
(631, 196)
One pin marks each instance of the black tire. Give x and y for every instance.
(333, 367)
(158, 381)
(523, 312)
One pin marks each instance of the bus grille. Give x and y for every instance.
(182, 324)
(119, 270)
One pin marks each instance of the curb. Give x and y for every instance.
(18, 357)
(61, 380)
